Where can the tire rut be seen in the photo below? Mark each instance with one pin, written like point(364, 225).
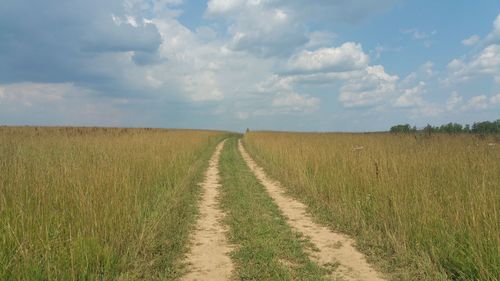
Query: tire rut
point(209, 258)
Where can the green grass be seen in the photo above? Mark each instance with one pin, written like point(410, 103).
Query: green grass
point(98, 204)
point(267, 249)
point(422, 208)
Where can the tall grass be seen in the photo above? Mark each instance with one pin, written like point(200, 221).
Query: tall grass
point(97, 204)
point(427, 207)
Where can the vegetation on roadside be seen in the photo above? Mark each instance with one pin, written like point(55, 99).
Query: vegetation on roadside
point(423, 208)
point(98, 204)
point(267, 249)
point(485, 127)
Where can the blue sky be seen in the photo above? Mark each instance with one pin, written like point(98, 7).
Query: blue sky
point(324, 65)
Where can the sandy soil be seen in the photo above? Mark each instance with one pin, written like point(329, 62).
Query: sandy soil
point(334, 250)
point(209, 256)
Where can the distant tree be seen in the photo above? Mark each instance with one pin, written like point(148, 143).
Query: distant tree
point(486, 127)
point(248, 130)
point(401, 128)
point(466, 128)
point(428, 130)
point(450, 128)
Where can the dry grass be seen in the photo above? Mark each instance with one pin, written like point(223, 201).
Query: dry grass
point(427, 207)
point(97, 204)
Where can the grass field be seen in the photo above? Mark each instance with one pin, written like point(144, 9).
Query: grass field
point(98, 204)
point(421, 207)
point(119, 204)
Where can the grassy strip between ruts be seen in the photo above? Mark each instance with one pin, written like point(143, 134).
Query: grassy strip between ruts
point(267, 248)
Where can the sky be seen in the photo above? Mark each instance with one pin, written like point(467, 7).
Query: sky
point(323, 65)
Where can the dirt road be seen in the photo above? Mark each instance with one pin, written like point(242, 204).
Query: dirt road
point(208, 258)
point(334, 250)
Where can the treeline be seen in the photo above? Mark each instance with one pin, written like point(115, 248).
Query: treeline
point(485, 127)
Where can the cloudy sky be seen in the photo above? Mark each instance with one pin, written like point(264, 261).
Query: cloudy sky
point(322, 65)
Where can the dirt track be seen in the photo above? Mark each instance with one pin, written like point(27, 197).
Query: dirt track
point(334, 250)
point(209, 256)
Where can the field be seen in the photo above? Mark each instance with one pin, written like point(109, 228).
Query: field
point(98, 204)
point(154, 204)
point(421, 207)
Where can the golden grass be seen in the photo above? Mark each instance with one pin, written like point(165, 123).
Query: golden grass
point(97, 204)
point(427, 207)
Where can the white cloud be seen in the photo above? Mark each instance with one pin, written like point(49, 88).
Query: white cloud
point(476, 103)
point(202, 87)
point(427, 69)
point(427, 109)
point(349, 56)
point(284, 98)
point(295, 102)
point(494, 35)
point(278, 35)
point(471, 41)
point(374, 87)
point(456, 103)
point(215, 7)
point(453, 101)
point(487, 62)
point(411, 97)
point(421, 35)
point(280, 27)
point(495, 99)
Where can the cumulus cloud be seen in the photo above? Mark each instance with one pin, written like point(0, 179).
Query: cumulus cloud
point(411, 97)
point(372, 87)
point(495, 99)
point(476, 103)
point(456, 102)
point(203, 87)
point(246, 58)
point(494, 35)
point(453, 101)
point(294, 102)
point(484, 62)
point(487, 62)
point(285, 28)
point(471, 41)
point(222, 7)
point(349, 56)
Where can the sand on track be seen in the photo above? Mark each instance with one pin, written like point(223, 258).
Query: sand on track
point(209, 258)
point(334, 250)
